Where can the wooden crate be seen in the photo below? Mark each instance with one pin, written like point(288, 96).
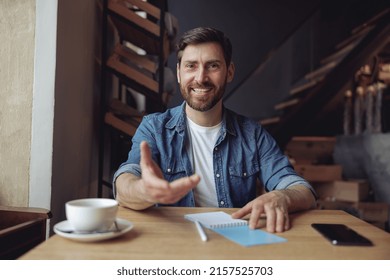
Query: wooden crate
point(350, 190)
point(324, 190)
point(21, 229)
point(319, 173)
point(311, 150)
point(373, 212)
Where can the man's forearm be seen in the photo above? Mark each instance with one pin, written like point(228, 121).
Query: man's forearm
point(299, 198)
point(128, 192)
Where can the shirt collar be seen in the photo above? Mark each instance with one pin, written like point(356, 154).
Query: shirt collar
point(228, 121)
point(179, 121)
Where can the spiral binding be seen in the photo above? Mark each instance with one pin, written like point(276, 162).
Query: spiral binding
point(233, 224)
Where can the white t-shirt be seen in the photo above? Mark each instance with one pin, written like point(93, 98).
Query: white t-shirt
point(202, 142)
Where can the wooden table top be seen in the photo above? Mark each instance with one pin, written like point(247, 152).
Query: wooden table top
point(163, 233)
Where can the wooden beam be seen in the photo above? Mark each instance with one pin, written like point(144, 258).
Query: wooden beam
point(119, 7)
point(286, 104)
point(122, 109)
point(145, 6)
point(119, 124)
point(269, 121)
point(305, 86)
point(115, 63)
point(139, 60)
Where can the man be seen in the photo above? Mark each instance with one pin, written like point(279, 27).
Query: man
point(202, 154)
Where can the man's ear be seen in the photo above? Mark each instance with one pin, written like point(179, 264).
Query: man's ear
point(231, 70)
point(177, 72)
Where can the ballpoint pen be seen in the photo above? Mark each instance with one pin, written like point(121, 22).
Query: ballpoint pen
point(201, 232)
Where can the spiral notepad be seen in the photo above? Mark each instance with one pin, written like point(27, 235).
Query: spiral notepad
point(236, 230)
point(217, 219)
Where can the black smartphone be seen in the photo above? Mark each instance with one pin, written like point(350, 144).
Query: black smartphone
point(339, 234)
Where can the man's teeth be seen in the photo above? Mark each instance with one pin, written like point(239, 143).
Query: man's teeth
point(200, 90)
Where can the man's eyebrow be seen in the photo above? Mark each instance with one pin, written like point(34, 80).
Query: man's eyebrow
point(189, 61)
point(207, 62)
point(214, 61)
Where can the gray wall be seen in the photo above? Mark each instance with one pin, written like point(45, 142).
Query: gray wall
point(366, 157)
point(17, 31)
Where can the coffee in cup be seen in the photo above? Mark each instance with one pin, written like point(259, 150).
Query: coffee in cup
point(91, 214)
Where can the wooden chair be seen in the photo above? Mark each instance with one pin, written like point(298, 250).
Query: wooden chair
point(21, 229)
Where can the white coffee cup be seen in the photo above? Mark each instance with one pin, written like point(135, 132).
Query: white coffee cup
point(91, 214)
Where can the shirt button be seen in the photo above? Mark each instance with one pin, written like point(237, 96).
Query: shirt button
point(217, 175)
point(216, 148)
point(169, 170)
point(222, 202)
point(244, 174)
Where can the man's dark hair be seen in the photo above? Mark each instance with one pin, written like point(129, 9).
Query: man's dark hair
point(205, 35)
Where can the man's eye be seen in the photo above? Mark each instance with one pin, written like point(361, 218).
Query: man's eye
point(214, 66)
point(189, 66)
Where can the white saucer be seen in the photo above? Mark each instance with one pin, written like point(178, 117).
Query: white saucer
point(61, 228)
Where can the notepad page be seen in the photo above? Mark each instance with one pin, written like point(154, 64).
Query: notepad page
point(245, 236)
point(216, 219)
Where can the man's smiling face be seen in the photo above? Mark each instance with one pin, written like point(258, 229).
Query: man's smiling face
point(203, 75)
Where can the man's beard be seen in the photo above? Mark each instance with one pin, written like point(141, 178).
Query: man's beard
point(206, 103)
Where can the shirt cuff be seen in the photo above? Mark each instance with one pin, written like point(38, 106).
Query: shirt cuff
point(132, 168)
point(293, 180)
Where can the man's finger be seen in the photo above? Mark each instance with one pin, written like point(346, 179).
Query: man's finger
point(287, 223)
point(243, 211)
point(281, 219)
point(183, 185)
point(146, 156)
point(256, 214)
point(178, 188)
point(271, 218)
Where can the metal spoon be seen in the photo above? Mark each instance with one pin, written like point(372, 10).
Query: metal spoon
point(116, 229)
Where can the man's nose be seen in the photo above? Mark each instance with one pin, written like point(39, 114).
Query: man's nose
point(201, 75)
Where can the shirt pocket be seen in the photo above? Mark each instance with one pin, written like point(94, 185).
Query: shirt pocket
point(243, 174)
point(172, 169)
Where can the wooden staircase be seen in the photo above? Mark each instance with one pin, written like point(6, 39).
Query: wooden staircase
point(137, 39)
point(316, 102)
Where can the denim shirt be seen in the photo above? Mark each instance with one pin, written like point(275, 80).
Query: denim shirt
point(244, 153)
